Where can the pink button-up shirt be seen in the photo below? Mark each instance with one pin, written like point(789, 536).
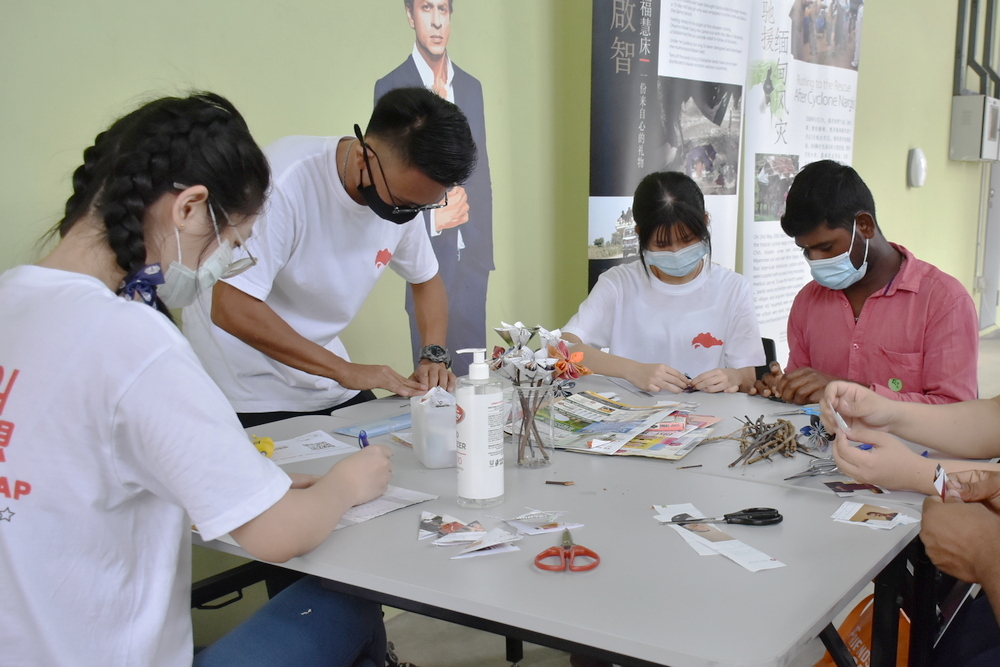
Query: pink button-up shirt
point(917, 339)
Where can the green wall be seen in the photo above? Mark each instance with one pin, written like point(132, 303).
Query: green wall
point(70, 68)
point(904, 102)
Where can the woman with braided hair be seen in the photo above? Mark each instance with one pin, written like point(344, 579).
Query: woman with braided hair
point(114, 440)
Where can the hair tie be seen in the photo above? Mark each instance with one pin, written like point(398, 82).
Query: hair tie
point(143, 282)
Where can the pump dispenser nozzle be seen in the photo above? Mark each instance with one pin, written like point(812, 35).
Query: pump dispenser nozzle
point(478, 369)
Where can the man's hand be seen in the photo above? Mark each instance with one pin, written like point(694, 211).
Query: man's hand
point(976, 486)
point(433, 374)
point(803, 385)
point(720, 379)
point(657, 377)
point(369, 376)
point(455, 213)
point(962, 539)
point(767, 386)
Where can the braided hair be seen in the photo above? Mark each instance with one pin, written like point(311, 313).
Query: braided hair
point(196, 140)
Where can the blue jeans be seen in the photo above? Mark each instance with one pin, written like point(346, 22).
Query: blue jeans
point(304, 625)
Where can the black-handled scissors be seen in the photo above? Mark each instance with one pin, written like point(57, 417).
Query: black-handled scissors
point(752, 516)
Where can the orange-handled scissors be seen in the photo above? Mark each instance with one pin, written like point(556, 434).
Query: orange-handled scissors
point(567, 554)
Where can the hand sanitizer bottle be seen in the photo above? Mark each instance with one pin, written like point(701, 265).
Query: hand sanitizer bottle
point(479, 442)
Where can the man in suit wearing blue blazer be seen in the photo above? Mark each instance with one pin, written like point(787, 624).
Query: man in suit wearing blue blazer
point(461, 233)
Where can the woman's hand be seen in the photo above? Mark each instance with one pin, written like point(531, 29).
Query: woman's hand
point(889, 462)
point(859, 406)
point(719, 379)
point(366, 473)
point(657, 377)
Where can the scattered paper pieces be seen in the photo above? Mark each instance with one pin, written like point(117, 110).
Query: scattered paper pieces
point(462, 535)
point(525, 528)
point(707, 540)
point(845, 488)
point(495, 541)
point(309, 446)
point(394, 498)
point(872, 516)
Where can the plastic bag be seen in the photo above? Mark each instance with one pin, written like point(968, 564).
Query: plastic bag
point(856, 631)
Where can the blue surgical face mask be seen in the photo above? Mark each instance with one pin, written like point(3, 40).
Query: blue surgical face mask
point(677, 264)
point(839, 272)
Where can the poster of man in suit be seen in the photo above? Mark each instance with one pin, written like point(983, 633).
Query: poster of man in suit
point(462, 232)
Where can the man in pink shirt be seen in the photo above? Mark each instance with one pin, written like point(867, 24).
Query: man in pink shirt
point(874, 314)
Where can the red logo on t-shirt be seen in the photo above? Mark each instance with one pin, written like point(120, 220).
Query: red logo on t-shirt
point(705, 340)
point(382, 258)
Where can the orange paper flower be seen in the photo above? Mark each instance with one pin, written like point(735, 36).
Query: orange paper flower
point(567, 364)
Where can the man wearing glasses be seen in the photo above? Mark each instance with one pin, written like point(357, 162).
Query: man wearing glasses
point(340, 212)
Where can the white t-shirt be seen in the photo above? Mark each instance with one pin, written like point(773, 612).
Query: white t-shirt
point(320, 254)
point(705, 324)
point(117, 442)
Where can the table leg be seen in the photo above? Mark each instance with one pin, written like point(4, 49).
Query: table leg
point(515, 651)
point(834, 643)
point(923, 614)
point(885, 616)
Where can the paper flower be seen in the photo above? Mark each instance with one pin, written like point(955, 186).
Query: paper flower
point(567, 364)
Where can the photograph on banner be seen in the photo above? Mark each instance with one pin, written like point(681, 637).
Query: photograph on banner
point(461, 232)
point(701, 124)
point(774, 175)
point(801, 91)
point(703, 52)
point(827, 32)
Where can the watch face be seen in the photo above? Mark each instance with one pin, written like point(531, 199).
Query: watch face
point(437, 354)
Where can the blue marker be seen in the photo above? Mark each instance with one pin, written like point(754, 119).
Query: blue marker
point(363, 439)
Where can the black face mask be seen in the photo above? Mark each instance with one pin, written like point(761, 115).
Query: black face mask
point(380, 208)
point(370, 193)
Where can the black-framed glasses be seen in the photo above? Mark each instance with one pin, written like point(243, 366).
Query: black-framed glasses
point(396, 210)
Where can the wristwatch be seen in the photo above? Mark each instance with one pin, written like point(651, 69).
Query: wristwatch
point(437, 354)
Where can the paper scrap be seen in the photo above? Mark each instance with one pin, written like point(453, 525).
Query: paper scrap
point(497, 540)
point(436, 525)
point(524, 528)
point(393, 499)
point(668, 512)
point(460, 534)
point(872, 516)
point(940, 481)
point(309, 446)
point(706, 538)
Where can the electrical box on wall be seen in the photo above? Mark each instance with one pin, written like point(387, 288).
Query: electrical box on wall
point(975, 128)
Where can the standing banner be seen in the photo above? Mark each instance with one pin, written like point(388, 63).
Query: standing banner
point(667, 82)
point(801, 93)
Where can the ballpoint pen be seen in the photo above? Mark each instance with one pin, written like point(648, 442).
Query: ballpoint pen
point(363, 439)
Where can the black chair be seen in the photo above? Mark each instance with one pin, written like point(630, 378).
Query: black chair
point(770, 354)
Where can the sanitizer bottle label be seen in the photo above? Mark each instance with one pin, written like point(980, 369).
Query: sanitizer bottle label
point(479, 444)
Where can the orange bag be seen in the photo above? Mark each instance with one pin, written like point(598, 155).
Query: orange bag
point(856, 631)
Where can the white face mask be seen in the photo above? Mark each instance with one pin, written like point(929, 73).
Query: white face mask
point(677, 264)
point(839, 272)
point(182, 284)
